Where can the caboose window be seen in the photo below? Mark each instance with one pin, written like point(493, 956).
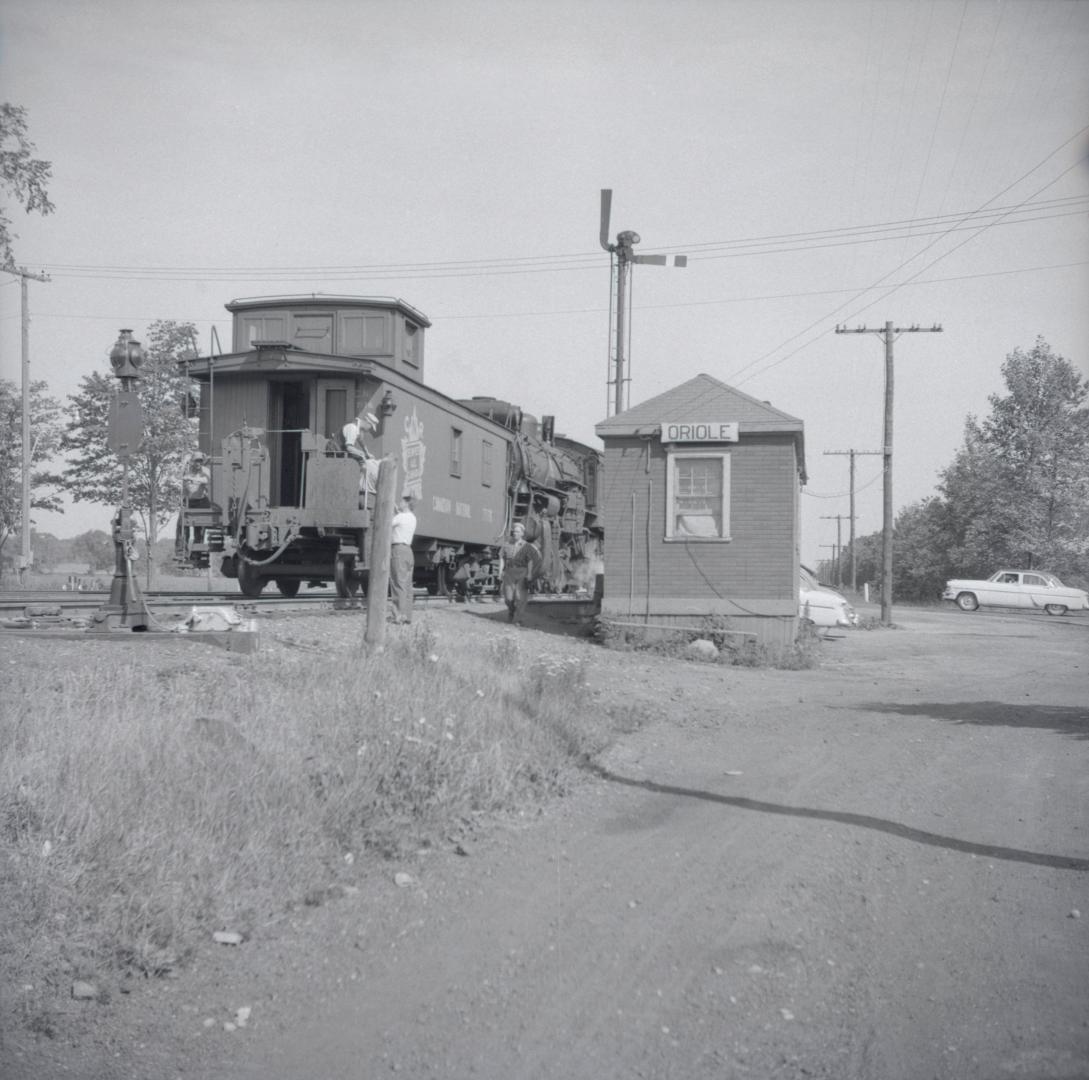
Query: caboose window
point(455, 451)
point(698, 495)
point(486, 463)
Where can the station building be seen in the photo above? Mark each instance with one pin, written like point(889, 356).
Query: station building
point(701, 512)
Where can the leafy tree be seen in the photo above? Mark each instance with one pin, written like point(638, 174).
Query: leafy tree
point(21, 175)
point(95, 473)
point(94, 547)
point(1017, 492)
point(45, 434)
point(921, 542)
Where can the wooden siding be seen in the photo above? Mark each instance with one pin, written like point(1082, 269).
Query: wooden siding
point(751, 576)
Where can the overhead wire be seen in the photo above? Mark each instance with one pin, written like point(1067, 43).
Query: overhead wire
point(772, 244)
point(902, 265)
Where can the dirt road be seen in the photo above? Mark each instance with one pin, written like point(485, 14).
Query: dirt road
point(877, 869)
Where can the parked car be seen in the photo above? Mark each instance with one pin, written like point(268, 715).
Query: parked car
point(823, 607)
point(1017, 588)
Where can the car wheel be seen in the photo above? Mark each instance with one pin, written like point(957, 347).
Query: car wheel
point(967, 601)
point(1055, 609)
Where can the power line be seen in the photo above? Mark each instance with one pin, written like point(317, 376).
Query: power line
point(772, 244)
point(492, 315)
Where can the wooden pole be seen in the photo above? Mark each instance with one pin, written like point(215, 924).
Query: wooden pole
point(378, 576)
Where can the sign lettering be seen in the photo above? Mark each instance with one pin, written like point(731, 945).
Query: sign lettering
point(699, 431)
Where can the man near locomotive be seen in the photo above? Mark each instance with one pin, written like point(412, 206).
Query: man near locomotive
point(401, 561)
point(520, 559)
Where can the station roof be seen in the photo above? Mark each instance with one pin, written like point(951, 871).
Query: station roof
point(705, 398)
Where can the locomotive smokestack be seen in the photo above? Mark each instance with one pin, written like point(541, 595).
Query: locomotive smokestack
point(548, 428)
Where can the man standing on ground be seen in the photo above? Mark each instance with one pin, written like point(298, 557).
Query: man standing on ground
point(401, 561)
point(520, 559)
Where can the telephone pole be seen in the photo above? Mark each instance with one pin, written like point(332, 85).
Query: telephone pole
point(854, 555)
point(22, 273)
point(838, 519)
point(889, 333)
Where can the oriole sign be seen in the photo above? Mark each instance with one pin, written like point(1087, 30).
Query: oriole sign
point(698, 431)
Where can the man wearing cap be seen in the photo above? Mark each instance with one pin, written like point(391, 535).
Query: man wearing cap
point(402, 561)
point(353, 431)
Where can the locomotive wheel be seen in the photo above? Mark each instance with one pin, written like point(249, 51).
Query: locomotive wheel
point(249, 579)
point(347, 583)
point(288, 586)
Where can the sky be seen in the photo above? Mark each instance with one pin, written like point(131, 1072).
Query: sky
point(847, 162)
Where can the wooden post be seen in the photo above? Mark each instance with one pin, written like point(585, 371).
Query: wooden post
point(378, 576)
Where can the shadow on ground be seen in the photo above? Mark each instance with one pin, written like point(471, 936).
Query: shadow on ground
point(1063, 719)
point(862, 821)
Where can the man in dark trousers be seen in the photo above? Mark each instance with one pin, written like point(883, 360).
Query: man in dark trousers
point(402, 561)
point(520, 562)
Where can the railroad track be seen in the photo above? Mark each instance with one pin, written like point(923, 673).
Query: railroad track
point(13, 604)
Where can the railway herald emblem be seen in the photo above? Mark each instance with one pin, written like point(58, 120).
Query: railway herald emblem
point(413, 453)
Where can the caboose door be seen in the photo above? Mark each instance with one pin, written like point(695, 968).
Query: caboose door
point(331, 404)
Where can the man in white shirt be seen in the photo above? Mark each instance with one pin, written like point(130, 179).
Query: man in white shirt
point(352, 432)
point(402, 561)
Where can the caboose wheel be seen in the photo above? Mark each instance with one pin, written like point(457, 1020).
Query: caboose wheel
point(347, 583)
point(249, 579)
point(288, 586)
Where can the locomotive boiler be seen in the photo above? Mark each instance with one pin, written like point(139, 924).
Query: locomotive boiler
point(286, 502)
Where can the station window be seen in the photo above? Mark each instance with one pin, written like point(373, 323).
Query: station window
point(456, 439)
point(698, 495)
point(486, 463)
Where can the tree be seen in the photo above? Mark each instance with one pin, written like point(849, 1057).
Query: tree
point(21, 176)
point(45, 435)
point(1017, 492)
point(921, 540)
point(95, 473)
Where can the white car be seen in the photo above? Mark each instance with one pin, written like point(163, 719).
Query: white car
point(823, 607)
point(1017, 588)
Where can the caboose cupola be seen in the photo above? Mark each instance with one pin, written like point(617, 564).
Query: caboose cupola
point(373, 328)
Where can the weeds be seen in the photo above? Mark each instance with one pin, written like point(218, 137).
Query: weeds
point(145, 804)
point(734, 649)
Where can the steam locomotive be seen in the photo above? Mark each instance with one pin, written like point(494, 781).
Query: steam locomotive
point(284, 502)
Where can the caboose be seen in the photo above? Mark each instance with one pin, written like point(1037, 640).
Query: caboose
point(286, 501)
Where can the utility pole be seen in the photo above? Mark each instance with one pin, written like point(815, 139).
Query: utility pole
point(854, 555)
point(838, 519)
point(26, 557)
point(889, 334)
point(835, 557)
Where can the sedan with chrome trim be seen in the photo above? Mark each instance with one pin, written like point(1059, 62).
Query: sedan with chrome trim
point(1032, 589)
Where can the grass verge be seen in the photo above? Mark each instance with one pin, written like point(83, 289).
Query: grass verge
point(150, 797)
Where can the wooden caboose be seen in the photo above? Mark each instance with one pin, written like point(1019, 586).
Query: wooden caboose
point(701, 512)
point(285, 503)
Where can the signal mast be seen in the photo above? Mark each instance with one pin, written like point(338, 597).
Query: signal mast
point(623, 258)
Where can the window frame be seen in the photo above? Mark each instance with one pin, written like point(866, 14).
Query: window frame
point(486, 457)
point(673, 457)
point(457, 447)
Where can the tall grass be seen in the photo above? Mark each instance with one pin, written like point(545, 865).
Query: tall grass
point(151, 796)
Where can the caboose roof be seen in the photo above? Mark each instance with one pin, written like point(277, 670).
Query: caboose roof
point(706, 398)
point(329, 300)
